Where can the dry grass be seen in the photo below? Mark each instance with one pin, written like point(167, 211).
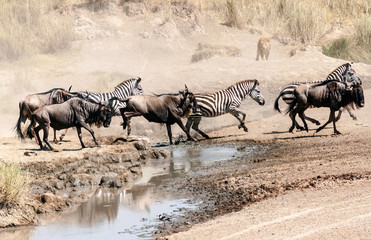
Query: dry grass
point(206, 51)
point(28, 27)
point(14, 185)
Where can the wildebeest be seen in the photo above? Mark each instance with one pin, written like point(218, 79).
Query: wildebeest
point(34, 101)
point(331, 94)
point(164, 108)
point(344, 73)
point(75, 112)
point(123, 90)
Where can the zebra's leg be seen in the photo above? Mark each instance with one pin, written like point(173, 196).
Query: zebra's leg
point(298, 127)
point(294, 123)
point(196, 121)
point(339, 114)
point(235, 113)
point(351, 114)
point(63, 134)
point(302, 116)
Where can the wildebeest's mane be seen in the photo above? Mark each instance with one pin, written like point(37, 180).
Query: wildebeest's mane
point(52, 90)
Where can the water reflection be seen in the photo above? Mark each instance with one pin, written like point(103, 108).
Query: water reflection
point(126, 213)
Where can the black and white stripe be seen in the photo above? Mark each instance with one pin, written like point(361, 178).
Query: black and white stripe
point(224, 101)
point(123, 90)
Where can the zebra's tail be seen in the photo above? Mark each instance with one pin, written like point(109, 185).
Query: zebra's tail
point(292, 106)
point(21, 119)
point(276, 107)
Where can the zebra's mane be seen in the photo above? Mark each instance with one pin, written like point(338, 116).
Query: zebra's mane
point(241, 82)
point(341, 66)
point(299, 82)
point(124, 83)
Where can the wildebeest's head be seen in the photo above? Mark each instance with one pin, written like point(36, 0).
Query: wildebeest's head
point(188, 102)
point(359, 98)
point(105, 113)
point(256, 94)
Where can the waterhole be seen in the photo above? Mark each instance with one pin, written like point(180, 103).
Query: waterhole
point(133, 213)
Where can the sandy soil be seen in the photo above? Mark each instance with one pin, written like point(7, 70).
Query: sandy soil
point(313, 185)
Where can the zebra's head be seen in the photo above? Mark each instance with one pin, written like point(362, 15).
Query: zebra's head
point(137, 89)
point(349, 76)
point(256, 94)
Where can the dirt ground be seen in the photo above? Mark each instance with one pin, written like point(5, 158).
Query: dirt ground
point(293, 185)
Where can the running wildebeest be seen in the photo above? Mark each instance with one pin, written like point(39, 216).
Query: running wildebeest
point(331, 94)
point(164, 108)
point(75, 112)
point(34, 101)
point(344, 73)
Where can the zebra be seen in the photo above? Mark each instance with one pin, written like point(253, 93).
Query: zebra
point(224, 101)
point(344, 73)
point(123, 90)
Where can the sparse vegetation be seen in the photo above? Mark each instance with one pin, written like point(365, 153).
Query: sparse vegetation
point(206, 51)
point(38, 26)
point(29, 27)
point(13, 184)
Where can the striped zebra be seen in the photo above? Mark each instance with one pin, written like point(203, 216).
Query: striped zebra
point(123, 90)
point(224, 101)
point(344, 73)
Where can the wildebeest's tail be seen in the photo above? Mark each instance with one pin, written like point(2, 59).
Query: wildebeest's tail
point(29, 132)
point(276, 107)
point(21, 119)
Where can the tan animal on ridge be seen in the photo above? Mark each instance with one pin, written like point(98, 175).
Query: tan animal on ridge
point(263, 49)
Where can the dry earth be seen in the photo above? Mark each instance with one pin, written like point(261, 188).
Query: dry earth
point(313, 185)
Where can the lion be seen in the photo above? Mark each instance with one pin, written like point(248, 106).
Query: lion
point(264, 47)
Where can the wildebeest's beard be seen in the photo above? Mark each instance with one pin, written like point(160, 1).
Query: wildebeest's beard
point(360, 99)
point(107, 112)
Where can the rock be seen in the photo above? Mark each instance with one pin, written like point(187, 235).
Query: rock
point(111, 182)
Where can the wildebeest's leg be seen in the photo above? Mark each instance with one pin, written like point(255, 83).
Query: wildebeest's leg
point(181, 125)
point(45, 137)
point(168, 127)
point(312, 120)
point(35, 132)
point(87, 127)
point(196, 121)
point(331, 119)
point(235, 113)
point(79, 134)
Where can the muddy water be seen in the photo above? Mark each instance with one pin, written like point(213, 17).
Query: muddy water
point(133, 213)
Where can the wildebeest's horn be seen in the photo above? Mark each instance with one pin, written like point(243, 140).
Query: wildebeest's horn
point(186, 88)
point(69, 89)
